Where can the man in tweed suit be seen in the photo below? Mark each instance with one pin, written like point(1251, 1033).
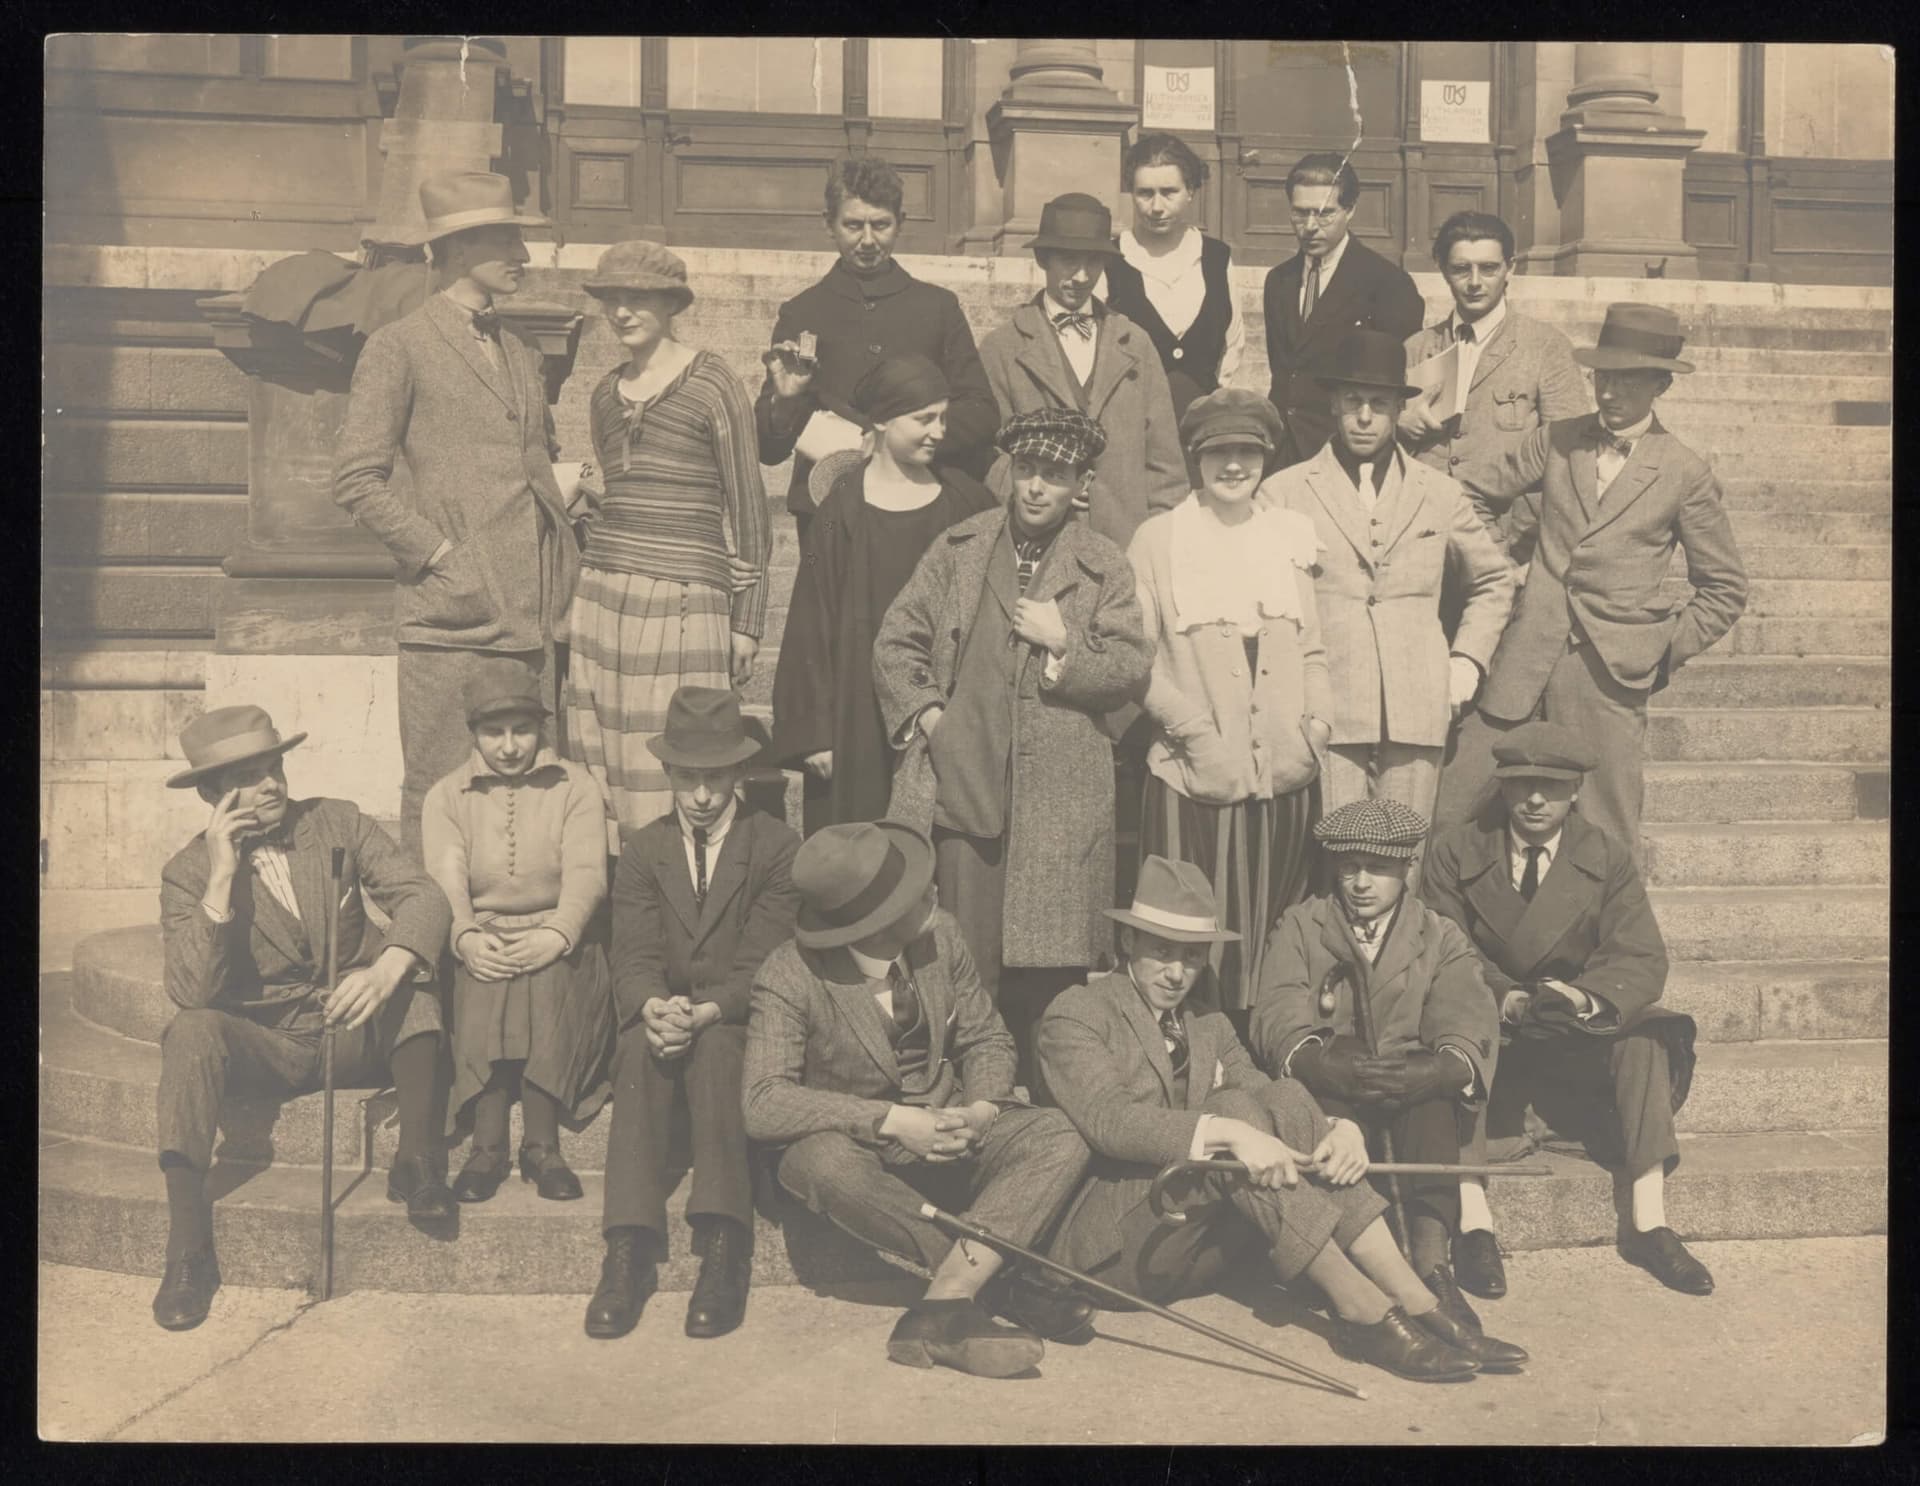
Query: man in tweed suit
point(484, 542)
point(877, 1061)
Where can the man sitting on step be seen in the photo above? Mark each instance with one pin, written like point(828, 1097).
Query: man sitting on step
point(1556, 909)
point(243, 909)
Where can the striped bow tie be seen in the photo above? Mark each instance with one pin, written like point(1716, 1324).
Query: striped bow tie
point(1080, 322)
point(486, 322)
point(1620, 446)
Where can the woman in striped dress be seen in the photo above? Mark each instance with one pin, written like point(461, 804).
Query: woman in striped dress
point(673, 579)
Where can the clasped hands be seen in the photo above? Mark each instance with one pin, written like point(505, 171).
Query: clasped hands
point(1345, 1070)
point(1340, 1158)
point(672, 1022)
point(490, 955)
point(939, 1134)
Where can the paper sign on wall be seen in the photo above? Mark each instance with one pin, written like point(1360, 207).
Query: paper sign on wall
point(1455, 113)
point(1177, 98)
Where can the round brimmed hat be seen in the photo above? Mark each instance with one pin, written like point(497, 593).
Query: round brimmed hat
point(1174, 901)
point(455, 200)
point(706, 730)
point(1231, 415)
point(640, 268)
point(1368, 358)
point(1064, 435)
point(1076, 223)
point(1542, 750)
point(502, 687)
point(227, 735)
point(1637, 337)
point(1379, 827)
point(855, 880)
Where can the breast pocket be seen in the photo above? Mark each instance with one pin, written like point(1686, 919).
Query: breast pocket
point(1513, 410)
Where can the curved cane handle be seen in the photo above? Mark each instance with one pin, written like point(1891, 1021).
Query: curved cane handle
point(1157, 1193)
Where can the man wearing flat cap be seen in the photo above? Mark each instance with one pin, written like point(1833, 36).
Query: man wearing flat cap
point(243, 912)
point(1017, 633)
point(1575, 962)
point(1377, 1005)
point(1595, 633)
point(1069, 349)
point(482, 537)
point(875, 1060)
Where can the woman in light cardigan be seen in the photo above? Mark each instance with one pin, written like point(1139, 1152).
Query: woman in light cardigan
point(1239, 693)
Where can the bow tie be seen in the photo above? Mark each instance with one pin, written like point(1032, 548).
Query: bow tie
point(1605, 440)
point(486, 322)
point(1080, 322)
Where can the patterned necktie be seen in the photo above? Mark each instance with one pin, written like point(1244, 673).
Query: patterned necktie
point(1530, 878)
point(1176, 1036)
point(906, 998)
point(699, 865)
point(1026, 557)
point(1312, 296)
point(486, 322)
point(1080, 322)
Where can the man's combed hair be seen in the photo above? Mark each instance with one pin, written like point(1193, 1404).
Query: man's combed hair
point(1468, 227)
point(1324, 168)
point(1163, 149)
point(867, 179)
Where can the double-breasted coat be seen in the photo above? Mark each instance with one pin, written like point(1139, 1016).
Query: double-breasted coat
point(1058, 790)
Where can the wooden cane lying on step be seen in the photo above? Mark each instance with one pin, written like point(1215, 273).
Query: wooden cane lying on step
point(961, 1228)
point(336, 868)
point(1157, 1193)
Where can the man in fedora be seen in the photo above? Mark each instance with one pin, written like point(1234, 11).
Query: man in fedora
point(1595, 634)
point(243, 912)
point(1068, 349)
point(702, 896)
point(1149, 1080)
point(1574, 959)
point(482, 540)
point(875, 1060)
point(1389, 527)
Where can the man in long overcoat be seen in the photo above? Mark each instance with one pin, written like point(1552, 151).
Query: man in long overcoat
point(1018, 630)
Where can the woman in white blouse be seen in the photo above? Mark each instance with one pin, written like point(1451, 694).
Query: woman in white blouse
point(1172, 279)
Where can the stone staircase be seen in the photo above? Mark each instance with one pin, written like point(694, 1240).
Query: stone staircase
point(1767, 845)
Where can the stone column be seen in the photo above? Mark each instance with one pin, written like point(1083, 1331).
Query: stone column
point(442, 120)
point(1617, 163)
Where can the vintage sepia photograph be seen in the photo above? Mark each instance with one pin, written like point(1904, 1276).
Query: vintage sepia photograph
point(964, 740)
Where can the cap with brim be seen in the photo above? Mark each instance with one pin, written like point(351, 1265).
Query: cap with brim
point(1231, 415)
point(1542, 750)
point(228, 735)
point(1637, 337)
point(502, 686)
point(517, 706)
point(1378, 827)
point(898, 880)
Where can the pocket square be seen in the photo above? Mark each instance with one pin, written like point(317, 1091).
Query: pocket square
point(1219, 1073)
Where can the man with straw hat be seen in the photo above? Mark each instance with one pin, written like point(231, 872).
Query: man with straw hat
point(243, 911)
point(1595, 634)
point(483, 539)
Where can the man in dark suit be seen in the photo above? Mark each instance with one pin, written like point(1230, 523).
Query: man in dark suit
point(1149, 1081)
point(1334, 285)
point(702, 896)
point(243, 911)
point(1572, 954)
point(876, 1061)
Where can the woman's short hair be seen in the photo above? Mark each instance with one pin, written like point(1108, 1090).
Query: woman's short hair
point(870, 180)
point(1163, 149)
point(1324, 168)
point(1471, 227)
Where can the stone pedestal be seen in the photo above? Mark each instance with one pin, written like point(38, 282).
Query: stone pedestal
point(443, 119)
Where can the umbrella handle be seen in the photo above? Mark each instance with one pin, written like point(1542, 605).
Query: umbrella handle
point(1157, 1193)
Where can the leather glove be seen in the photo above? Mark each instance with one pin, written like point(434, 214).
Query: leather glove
point(1548, 1014)
point(1328, 1068)
point(1410, 1079)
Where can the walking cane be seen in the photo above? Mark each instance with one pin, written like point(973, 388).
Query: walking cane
point(336, 868)
point(1157, 1193)
point(961, 1228)
point(1363, 1024)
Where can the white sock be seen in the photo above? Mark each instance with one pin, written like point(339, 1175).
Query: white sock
point(1650, 1200)
point(1474, 1212)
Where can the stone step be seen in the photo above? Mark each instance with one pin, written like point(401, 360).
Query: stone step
point(1850, 598)
point(1784, 388)
point(1758, 529)
point(1777, 681)
point(1726, 792)
point(1833, 922)
point(1857, 735)
point(1775, 854)
point(1815, 636)
point(1744, 1088)
point(1748, 1001)
point(1815, 494)
point(1812, 561)
point(1799, 455)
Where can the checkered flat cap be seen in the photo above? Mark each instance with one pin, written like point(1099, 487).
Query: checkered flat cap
point(1383, 827)
point(1063, 434)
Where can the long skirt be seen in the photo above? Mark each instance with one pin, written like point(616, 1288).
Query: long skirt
point(636, 640)
point(1254, 852)
point(559, 1021)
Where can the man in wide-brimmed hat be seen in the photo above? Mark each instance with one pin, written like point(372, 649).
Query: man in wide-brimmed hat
point(483, 541)
point(243, 911)
point(876, 1060)
point(1390, 527)
point(1150, 1080)
point(702, 896)
point(1068, 349)
point(1595, 634)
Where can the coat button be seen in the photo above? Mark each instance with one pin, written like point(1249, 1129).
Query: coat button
point(1179, 352)
point(512, 417)
point(873, 304)
point(1371, 601)
point(874, 349)
point(1452, 461)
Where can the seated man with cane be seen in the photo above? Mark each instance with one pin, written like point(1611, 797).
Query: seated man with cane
point(876, 1059)
point(1376, 1004)
point(1149, 1081)
point(244, 910)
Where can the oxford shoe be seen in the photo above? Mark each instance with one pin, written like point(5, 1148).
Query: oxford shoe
point(1047, 1306)
point(1489, 1351)
point(1661, 1254)
point(961, 1335)
point(1440, 1280)
point(480, 1178)
point(1406, 1350)
point(1477, 1266)
point(719, 1300)
point(186, 1290)
point(414, 1181)
point(547, 1169)
point(627, 1278)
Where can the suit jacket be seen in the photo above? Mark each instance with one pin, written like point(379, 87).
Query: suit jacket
point(1366, 292)
point(479, 447)
point(1379, 595)
point(263, 961)
point(1142, 469)
point(1059, 810)
point(818, 1054)
point(1601, 565)
point(860, 322)
point(1526, 376)
point(1106, 1065)
point(665, 944)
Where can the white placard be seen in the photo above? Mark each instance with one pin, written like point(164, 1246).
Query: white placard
point(1178, 98)
point(1455, 113)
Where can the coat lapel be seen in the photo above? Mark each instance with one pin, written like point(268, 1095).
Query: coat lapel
point(851, 992)
point(1583, 466)
point(444, 316)
point(1562, 896)
point(1062, 569)
point(1489, 888)
point(670, 869)
point(1331, 306)
point(1629, 485)
point(1113, 358)
point(1495, 350)
point(1134, 1012)
point(1408, 499)
point(1001, 578)
point(307, 865)
point(1330, 487)
point(1290, 278)
point(726, 875)
point(1043, 360)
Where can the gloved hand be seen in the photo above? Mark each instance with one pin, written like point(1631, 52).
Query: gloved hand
point(1329, 1068)
point(1407, 1079)
point(1548, 1014)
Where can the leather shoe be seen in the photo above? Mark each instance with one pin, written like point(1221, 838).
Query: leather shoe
point(1047, 1306)
point(719, 1300)
point(1395, 1343)
point(1457, 1326)
point(627, 1278)
point(1477, 1266)
point(1660, 1252)
point(961, 1335)
point(480, 1178)
point(414, 1181)
point(1440, 1281)
point(186, 1290)
point(546, 1168)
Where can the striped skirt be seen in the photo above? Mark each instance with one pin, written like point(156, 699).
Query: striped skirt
point(635, 641)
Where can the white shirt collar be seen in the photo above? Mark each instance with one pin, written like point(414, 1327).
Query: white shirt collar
point(715, 832)
point(1518, 848)
point(1632, 433)
point(1484, 327)
point(1049, 306)
point(1329, 263)
point(870, 967)
point(1171, 265)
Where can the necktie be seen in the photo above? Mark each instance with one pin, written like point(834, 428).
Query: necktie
point(1026, 557)
point(1176, 1036)
point(1530, 878)
point(486, 322)
point(699, 865)
point(906, 998)
point(1465, 334)
point(1312, 296)
point(1080, 322)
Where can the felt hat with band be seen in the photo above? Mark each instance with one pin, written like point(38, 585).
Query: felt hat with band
point(1173, 901)
point(1637, 337)
point(1542, 750)
point(501, 686)
point(1076, 223)
point(855, 880)
point(227, 735)
point(1368, 358)
point(455, 200)
point(705, 730)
